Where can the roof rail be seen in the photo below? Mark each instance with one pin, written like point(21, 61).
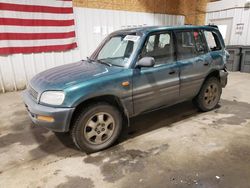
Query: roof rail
point(212, 25)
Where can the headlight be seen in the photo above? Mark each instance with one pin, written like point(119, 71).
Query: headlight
point(52, 97)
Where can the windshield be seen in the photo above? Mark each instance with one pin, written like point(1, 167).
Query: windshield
point(118, 50)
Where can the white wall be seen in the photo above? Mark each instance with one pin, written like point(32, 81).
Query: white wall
point(225, 4)
point(92, 25)
point(232, 12)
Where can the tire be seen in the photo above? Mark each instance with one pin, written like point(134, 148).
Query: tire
point(209, 95)
point(97, 127)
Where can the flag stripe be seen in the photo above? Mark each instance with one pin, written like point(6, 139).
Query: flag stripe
point(42, 42)
point(37, 49)
point(30, 26)
point(35, 8)
point(50, 3)
point(35, 29)
point(35, 36)
point(35, 15)
point(32, 22)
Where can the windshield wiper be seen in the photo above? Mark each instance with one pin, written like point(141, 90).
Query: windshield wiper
point(103, 62)
point(89, 60)
point(98, 61)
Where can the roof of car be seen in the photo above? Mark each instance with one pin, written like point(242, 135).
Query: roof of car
point(146, 29)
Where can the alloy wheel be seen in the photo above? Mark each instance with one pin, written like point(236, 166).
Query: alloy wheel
point(99, 128)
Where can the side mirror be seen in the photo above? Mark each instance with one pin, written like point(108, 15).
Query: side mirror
point(146, 62)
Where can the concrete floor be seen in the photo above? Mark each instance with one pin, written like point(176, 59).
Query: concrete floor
point(173, 147)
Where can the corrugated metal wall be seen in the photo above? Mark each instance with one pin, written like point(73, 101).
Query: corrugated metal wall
point(193, 10)
point(239, 17)
point(92, 25)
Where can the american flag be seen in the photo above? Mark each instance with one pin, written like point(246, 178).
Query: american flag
point(32, 26)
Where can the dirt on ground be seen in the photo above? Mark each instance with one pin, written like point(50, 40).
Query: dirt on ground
point(173, 147)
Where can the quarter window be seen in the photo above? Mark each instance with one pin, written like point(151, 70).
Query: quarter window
point(212, 41)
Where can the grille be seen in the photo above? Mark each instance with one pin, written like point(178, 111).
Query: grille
point(33, 92)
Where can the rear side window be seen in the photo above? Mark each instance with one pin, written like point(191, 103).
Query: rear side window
point(190, 44)
point(212, 41)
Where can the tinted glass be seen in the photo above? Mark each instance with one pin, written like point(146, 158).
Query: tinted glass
point(200, 43)
point(118, 49)
point(159, 46)
point(190, 44)
point(150, 44)
point(212, 41)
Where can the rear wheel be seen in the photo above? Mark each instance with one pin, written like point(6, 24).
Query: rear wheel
point(96, 127)
point(209, 95)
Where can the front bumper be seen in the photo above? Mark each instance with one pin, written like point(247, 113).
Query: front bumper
point(62, 116)
point(223, 77)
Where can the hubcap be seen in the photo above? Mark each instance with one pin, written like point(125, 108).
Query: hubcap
point(99, 128)
point(211, 95)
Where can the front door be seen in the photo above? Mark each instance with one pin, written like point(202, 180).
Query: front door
point(156, 86)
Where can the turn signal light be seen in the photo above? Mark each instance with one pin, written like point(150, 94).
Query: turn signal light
point(125, 83)
point(45, 118)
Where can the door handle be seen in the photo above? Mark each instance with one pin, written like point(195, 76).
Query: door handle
point(206, 64)
point(171, 72)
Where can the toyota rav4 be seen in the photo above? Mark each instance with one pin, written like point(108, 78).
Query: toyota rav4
point(133, 71)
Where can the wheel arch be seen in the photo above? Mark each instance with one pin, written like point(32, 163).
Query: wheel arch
point(110, 99)
point(198, 98)
point(212, 73)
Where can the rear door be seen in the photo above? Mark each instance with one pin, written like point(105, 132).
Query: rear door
point(156, 86)
point(193, 60)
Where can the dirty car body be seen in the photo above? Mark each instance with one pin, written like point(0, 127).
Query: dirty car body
point(133, 71)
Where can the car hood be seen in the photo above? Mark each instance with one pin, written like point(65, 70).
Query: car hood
point(64, 76)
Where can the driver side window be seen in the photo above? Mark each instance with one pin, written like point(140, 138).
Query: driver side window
point(160, 47)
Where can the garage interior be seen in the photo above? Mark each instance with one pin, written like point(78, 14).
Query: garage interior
point(172, 147)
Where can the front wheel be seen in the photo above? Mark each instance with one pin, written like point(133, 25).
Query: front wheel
point(96, 127)
point(209, 95)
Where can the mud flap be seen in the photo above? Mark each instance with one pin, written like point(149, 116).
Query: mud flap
point(223, 78)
